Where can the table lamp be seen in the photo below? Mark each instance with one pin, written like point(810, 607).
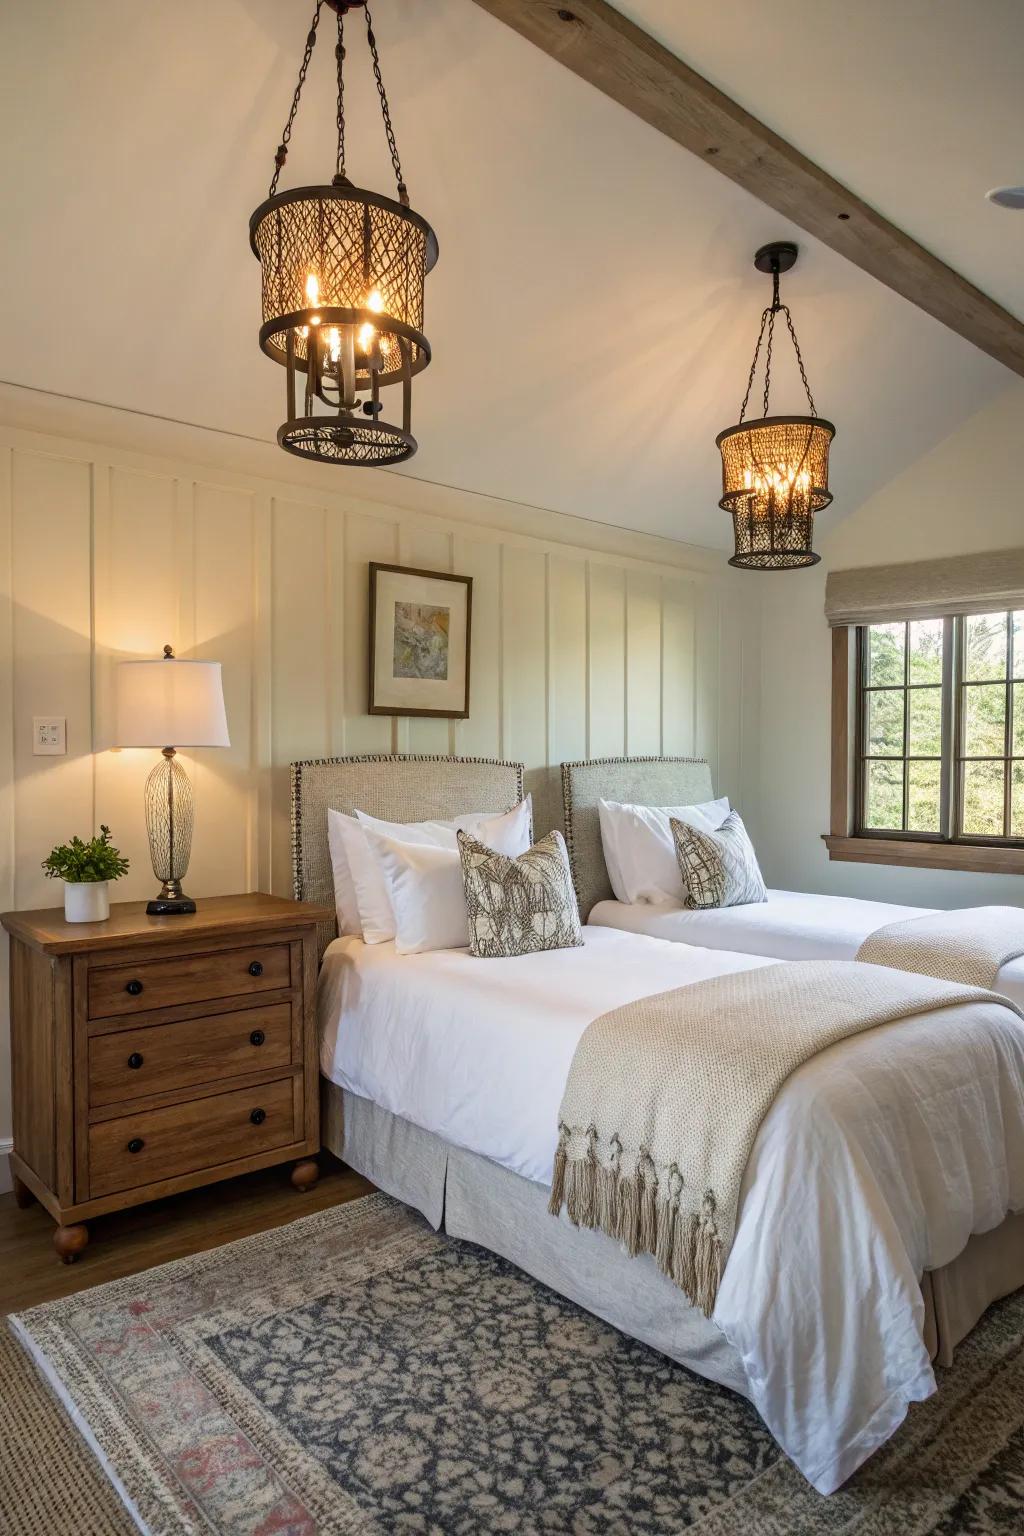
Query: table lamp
point(170, 701)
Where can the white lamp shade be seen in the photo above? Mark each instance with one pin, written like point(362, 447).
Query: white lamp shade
point(170, 703)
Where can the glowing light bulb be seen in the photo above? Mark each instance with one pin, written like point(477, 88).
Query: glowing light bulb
point(367, 332)
point(313, 295)
point(334, 343)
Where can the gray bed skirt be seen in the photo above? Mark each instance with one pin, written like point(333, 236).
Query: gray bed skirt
point(476, 1199)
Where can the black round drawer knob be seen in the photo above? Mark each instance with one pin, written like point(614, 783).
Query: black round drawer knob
point(258, 1116)
point(256, 968)
point(135, 1060)
point(136, 1144)
point(257, 1037)
point(134, 988)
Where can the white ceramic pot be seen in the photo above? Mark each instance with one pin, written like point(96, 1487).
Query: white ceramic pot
point(86, 901)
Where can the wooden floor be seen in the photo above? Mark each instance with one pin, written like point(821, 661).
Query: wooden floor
point(129, 1241)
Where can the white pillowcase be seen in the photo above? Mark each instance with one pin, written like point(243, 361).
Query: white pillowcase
point(361, 894)
point(345, 903)
point(639, 849)
point(424, 885)
point(374, 918)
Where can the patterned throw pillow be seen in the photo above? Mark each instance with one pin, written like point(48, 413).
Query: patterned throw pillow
point(719, 869)
point(519, 906)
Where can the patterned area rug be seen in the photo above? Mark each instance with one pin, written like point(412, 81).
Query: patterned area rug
point(354, 1372)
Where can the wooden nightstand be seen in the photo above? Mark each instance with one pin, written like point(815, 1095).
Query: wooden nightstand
point(154, 1054)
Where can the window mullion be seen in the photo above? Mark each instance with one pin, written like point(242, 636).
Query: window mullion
point(906, 725)
point(1008, 725)
point(951, 723)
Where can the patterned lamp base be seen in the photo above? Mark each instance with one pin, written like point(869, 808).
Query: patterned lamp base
point(169, 819)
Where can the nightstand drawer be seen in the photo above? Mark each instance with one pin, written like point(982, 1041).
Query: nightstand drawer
point(128, 989)
point(157, 1057)
point(183, 1138)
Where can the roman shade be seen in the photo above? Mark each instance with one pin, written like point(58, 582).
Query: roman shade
point(926, 589)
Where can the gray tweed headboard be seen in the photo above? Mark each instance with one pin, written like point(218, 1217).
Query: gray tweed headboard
point(394, 788)
point(633, 780)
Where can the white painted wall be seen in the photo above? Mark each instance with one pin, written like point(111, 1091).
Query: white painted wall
point(962, 497)
point(119, 533)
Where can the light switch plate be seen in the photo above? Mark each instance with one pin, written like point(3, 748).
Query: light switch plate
point(49, 735)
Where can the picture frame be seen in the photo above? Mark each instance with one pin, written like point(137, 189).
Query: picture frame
point(419, 642)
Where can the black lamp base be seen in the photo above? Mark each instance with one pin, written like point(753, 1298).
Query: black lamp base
point(170, 906)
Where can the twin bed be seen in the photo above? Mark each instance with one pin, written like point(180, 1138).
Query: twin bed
point(873, 1225)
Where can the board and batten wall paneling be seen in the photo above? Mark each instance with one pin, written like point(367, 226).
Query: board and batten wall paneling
point(51, 637)
point(643, 663)
point(606, 682)
point(586, 642)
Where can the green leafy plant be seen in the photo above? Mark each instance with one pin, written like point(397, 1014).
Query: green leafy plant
point(97, 859)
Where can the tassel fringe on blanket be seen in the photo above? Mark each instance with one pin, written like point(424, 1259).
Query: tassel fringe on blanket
point(643, 1213)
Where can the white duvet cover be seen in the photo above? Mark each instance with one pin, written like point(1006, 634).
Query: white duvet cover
point(878, 1160)
point(790, 925)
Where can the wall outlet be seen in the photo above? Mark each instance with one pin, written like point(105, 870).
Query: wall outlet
point(49, 736)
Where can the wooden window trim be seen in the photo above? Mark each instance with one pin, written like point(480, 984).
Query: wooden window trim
point(913, 852)
point(982, 858)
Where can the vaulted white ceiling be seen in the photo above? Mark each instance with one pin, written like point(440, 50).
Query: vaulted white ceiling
point(594, 308)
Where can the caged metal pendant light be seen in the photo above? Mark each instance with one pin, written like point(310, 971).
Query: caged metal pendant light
point(775, 470)
point(343, 280)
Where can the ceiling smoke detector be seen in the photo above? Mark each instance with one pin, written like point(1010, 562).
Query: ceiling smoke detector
point(1007, 197)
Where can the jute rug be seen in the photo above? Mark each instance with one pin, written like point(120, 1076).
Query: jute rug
point(354, 1372)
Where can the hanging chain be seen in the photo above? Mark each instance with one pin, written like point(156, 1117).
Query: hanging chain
point(768, 358)
point(768, 322)
point(282, 148)
point(403, 193)
point(339, 53)
point(799, 359)
point(753, 366)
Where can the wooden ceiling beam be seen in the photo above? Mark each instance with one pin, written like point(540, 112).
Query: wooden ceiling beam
point(596, 42)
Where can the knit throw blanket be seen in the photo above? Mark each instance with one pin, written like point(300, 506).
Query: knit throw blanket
point(665, 1097)
point(970, 946)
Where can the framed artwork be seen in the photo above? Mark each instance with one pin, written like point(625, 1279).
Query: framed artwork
point(419, 642)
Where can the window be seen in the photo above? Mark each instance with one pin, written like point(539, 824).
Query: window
point(930, 712)
point(903, 713)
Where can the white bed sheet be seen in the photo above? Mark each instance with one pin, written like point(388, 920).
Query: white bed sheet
point(790, 925)
point(878, 1160)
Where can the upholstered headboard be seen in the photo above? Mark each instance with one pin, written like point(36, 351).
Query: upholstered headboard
point(394, 788)
point(632, 780)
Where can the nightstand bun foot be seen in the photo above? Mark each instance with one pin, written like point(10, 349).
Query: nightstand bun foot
point(23, 1196)
point(70, 1241)
point(305, 1175)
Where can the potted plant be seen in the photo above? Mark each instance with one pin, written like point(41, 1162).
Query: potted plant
point(86, 869)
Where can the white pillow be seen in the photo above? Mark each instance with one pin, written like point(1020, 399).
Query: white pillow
point(514, 826)
point(360, 892)
point(639, 850)
point(374, 918)
point(425, 884)
point(345, 903)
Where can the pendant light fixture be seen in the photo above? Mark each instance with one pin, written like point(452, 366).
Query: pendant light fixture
point(775, 469)
point(343, 280)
